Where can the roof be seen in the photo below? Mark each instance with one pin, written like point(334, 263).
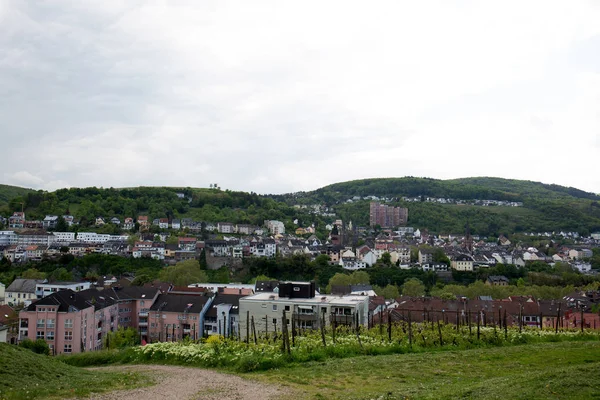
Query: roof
point(134, 292)
point(68, 299)
point(24, 285)
point(172, 302)
point(231, 299)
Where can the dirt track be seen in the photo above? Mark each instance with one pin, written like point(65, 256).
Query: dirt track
point(191, 383)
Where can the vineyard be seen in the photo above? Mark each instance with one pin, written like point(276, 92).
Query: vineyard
point(277, 350)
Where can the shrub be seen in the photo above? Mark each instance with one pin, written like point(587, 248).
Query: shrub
point(39, 346)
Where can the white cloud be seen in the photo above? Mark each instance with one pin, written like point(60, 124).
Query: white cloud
point(275, 96)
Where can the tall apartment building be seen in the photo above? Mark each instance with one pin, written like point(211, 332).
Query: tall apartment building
point(387, 216)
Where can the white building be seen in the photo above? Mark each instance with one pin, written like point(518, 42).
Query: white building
point(67, 237)
point(276, 227)
point(302, 308)
point(45, 288)
point(7, 238)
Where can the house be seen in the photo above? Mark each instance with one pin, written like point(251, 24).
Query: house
point(34, 252)
point(45, 288)
point(21, 291)
point(245, 229)
point(497, 280)
point(435, 267)
point(370, 258)
point(70, 322)
point(134, 306)
point(462, 262)
point(174, 316)
point(69, 219)
point(64, 237)
point(352, 264)
point(163, 223)
point(223, 315)
point(8, 238)
point(35, 237)
point(115, 221)
point(143, 222)
point(225, 227)
point(176, 224)
point(100, 221)
point(275, 227)
point(187, 243)
point(302, 307)
point(128, 223)
point(50, 221)
point(218, 248)
point(17, 220)
point(9, 325)
point(580, 254)
point(425, 256)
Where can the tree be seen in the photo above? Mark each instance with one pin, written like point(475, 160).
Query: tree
point(386, 258)
point(60, 274)
point(121, 338)
point(33, 273)
point(390, 292)
point(413, 287)
point(61, 225)
point(261, 277)
point(339, 279)
point(183, 273)
point(359, 277)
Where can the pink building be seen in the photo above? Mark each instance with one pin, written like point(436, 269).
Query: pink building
point(134, 306)
point(174, 316)
point(70, 322)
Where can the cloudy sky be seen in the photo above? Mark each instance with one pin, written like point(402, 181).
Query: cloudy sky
point(279, 96)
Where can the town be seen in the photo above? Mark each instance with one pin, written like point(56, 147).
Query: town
point(74, 316)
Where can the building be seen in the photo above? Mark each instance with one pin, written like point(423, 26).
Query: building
point(8, 238)
point(70, 322)
point(275, 227)
point(387, 216)
point(225, 227)
point(22, 291)
point(302, 307)
point(65, 237)
point(425, 256)
point(174, 316)
point(222, 318)
point(17, 220)
point(462, 262)
point(45, 288)
point(497, 280)
point(50, 221)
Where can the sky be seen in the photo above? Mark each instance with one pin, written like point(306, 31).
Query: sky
point(283, 96)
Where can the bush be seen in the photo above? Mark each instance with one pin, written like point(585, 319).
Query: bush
point(39, 346)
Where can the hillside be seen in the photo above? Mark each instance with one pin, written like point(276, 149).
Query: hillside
point(26, 375)
point(544, 207)
point(8, 192)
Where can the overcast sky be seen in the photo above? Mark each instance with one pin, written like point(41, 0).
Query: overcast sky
point(281, 96)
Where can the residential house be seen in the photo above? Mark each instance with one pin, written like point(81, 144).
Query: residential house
point(45, 288)
point(134, 307)
point(50, 221)
point(8, 237)
point(497, 280)
point(225, 227)
point(174, 316)
point(34, 252)
point(100, 221)
point(163, 223)
point(218, 248)
point(128, 224)
point(425, 256)
point(222, 317)
point(462, 262)
point(275, 227)
point(176, 224)
point(187, 243)
point(21, 291)
point(115, 221)
point(17, 220)
point(143, 222)
point(245, 229)
point(64, 237)
point(38, 237)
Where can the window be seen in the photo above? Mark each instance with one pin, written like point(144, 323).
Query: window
point(274, 321)
point(68, 348)
point(296, 288)
point(50, 335)
point(40, 335)
point(41, 323)
point(287, 308)
point(274, 307)
point(68, 323)
point(264, 305)
point(50, 323)
point(68, 335)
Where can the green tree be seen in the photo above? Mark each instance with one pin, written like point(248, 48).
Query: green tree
point(338, 279)
point(39, 346)
point(413, 287)
point(359, 277)
point(121, 338)
point(183, 273)
point(386, 259)
point(60, 274)
point(33, 273)
point(390, 292)
point(61, 225)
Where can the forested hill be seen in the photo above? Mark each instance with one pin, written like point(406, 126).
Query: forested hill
point(544, 207)
point(482, 188)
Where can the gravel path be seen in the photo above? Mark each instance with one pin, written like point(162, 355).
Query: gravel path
point(191, 383)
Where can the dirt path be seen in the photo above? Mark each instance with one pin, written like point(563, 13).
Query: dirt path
point(192, 383)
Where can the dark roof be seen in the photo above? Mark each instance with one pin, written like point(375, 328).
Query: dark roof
point(67, 299)
point(134, 292)
point(232, 299)
point(265, 286)
point(172, 302)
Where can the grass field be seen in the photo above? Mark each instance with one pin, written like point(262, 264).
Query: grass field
point(26, 375)
point(566, 370)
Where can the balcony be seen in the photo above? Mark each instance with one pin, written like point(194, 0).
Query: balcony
point(143, 323)
point(342, 319)
point(143, 314)
point(306, 317)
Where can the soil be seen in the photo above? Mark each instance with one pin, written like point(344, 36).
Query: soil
point(192, 383)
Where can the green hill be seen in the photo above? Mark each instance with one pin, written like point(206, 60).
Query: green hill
point(545, 207)
point(26, 375)
point(8, 193)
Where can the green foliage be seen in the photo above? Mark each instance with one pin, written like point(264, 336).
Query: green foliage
point(413, 287)
point(39, 346)
point(121, 338)
point(390, 292)
point(183, 273)
point(33, 273)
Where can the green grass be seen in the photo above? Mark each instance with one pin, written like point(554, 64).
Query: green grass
point(8, 192)
point(566, 370)
point(26, 375)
